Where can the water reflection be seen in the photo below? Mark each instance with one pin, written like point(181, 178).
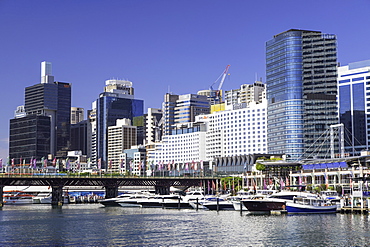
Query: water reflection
point(94, 225)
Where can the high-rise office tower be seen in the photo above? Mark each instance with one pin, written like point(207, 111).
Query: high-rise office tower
point(301, 82)
point(116, 102)
point(354, 105)
point(52, 100)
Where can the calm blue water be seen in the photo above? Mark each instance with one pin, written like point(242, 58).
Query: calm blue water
point(93, 225)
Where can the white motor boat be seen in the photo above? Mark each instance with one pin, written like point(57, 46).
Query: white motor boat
point(132, 201)
point(304, 205)
point(17, 198)
point(42, 198)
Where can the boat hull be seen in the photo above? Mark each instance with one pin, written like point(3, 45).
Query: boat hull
point(263, 205)
point(221, 206)
point(293, 208)
point(181, 205)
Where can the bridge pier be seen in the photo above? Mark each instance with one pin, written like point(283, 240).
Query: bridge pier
point(162, 190)
point(1, 196)
point(111, 191)
point(57, 195)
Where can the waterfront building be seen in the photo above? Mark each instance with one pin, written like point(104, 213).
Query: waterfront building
point(134, 161)
point(354, 105)
point(233, 133)
point(116, 102)
point(120, 137)
point(77, 162)
point(185, 145)
point(237, 132)
point(77, 115)
point(301, 82)
point(50, 99)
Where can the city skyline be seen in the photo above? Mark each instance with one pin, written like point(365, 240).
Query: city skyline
point(161, 46)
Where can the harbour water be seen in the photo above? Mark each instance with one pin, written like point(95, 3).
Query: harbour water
point(94, 225)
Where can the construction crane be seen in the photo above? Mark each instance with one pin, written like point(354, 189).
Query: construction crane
point(222, 76)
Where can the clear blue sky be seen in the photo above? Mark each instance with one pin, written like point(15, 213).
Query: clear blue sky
point(178, 46)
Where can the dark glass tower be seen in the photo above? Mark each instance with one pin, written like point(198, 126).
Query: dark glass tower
point(29, 137)
point(51, 100)
point(301, 90)
point(113, 105)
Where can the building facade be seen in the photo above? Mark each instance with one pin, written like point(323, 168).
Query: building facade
point(116, 102)
point(246, 94)
point(120, 137)
point(29, 137)
point(354, 105)
point(237, 132)
point(301, 83)
point(184, 146)
point(77, 115)
point(153, 131)
point(53, 100)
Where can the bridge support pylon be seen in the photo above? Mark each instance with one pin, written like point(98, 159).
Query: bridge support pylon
point(162, 190)
point(1, 196)
point(111, 191)
point(57, 195)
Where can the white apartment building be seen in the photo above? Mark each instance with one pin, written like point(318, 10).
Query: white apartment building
point(120, 137)
point(246, 94)
point(187, 147)
point(237, 132)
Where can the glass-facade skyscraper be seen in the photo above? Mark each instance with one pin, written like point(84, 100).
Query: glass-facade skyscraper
point(354, 105)
point(301, 92)
point(117, 102)
point(49, 99)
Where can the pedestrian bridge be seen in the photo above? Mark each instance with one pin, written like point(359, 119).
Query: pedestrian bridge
point(110, 183)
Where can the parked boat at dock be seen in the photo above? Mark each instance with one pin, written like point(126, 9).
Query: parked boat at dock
point(132, 201)
point(219, 204)
point(263, 205)
point(17, 198)
point(112, 202)
point(304, 205)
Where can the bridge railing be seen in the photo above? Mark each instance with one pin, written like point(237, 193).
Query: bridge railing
point(101, 175)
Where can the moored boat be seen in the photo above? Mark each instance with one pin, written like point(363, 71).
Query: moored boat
point(132, 201)
point(17, 198)
point(219, 204)
point(158, 201)
point(304, 205)
point(263, 205)
point(42, 198)
point(112, 202)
